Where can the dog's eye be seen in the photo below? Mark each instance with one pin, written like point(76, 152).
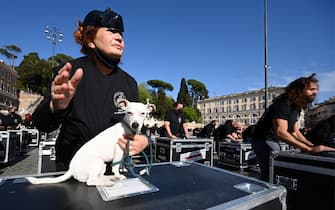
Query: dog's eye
point(129, 113)
point(143, 113)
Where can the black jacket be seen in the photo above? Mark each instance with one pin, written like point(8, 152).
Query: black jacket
point(92, 109)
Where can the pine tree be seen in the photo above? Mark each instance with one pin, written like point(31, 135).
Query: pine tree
point(183, 95)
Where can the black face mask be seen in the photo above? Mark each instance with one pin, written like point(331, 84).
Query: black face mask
point(109, 62)
point(178, 111)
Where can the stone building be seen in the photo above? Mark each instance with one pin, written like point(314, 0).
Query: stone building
point(320, 112)
point(246, 107)
point(8, 86)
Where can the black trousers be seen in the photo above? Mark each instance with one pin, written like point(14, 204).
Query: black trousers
point(263, 149)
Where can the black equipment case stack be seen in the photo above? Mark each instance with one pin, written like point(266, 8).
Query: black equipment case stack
point(236, 154)
point(180, 186)
point(7, 147)
point(47, 157)
point(21, 138)
point(34, 135)
point(239, 154)
point(47, 152)
point(193, 149)
point(309, 179)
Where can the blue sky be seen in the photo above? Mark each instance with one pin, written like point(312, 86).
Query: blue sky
point(217, 42)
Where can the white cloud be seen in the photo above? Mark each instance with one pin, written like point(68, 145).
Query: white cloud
point(327, 81)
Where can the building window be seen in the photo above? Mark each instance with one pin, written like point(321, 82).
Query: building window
point(263, 105)
point(9, 76)
point(222, 109)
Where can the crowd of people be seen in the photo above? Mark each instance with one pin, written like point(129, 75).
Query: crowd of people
point(11, 120)
point(82, 101)
point(95, 81)
point(279, 123)
point(17, 130)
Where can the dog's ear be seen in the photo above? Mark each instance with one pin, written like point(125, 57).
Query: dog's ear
point(151, 107)
point(123, 104)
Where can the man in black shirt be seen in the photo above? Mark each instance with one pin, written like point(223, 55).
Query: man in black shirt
point(233, 131)
point(83, 97)
point(229, 131)
point(207, 130)
point(3, 120)
point(280, 123)
point(174, 123)
point(14, 120)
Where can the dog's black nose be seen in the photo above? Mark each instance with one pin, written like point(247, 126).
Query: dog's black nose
point(134, 125)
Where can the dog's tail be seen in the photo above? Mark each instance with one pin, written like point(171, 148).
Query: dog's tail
point(50, 180)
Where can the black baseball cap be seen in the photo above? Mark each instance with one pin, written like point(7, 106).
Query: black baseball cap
point(107, 18)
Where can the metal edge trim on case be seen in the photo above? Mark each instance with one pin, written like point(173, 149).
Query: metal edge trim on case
point(302, 167)
point(294, 154)
point(256, 199)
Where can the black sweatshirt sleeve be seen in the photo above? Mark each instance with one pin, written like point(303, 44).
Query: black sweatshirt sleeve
point(43, 118)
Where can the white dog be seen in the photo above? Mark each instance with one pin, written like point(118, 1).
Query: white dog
point(88, 164)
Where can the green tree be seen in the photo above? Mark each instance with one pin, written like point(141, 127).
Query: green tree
point(183, 94)
point(10, 51)
point(198, 91)
point(159, 96)
point(144, 93)
point(169, 102)
point(160, 85)
point(60, 59)
point(191, 114)
point(34, 73)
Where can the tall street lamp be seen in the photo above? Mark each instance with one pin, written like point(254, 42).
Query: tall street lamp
point(54, 35)
point(266, 66)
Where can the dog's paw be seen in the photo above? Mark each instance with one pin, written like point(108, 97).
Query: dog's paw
point(102, 182)
point(108, 183)
point(123, 170)
point(122, 177)
point(117, 177)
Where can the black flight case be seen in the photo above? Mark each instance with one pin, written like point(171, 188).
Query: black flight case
point(7, 147)
point(309, 179)
point(192, 149)
point(180, 186)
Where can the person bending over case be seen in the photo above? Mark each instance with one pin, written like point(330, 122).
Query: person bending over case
point(280, 123)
